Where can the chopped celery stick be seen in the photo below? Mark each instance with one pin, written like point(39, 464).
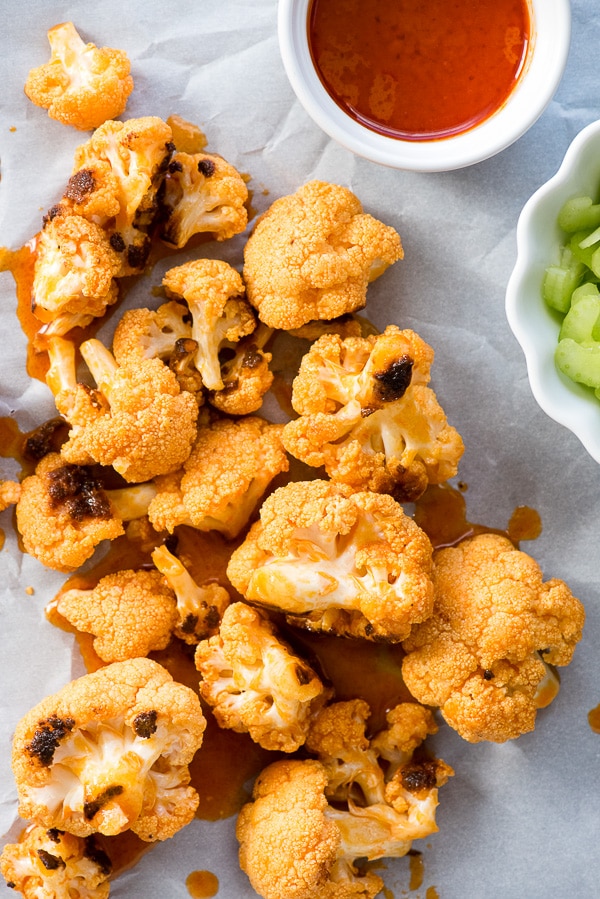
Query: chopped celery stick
point(561, 280)
point(581, 253)
point(579, 213)
point(587, 289)
point(580, 320)
point(580, 363)
point(592, 239)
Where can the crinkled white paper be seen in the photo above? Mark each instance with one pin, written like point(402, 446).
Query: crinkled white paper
point(519, 819)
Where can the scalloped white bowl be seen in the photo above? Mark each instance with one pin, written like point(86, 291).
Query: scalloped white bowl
point(533, 323)
point(542, 72)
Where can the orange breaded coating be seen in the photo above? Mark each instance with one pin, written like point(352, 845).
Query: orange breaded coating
point(82, 85)
point(223, 479)
point(332, 560)
point(63, 514)
point(202, 193)
point(312, 255)
point(483, 656)
point(367, 415)
point(255, 683)
point(48, 863)
point(130, 613)
point(110, 752)
point(10, 492)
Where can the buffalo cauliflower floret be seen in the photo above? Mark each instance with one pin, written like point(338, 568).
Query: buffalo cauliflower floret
point(82, 85)
point(10, 492)
point(313, 253)
point(137, 419)
point(333, 560)
point(75, 268)
point(63, 512)
point(246, 376)
point(110, 752)
point(383, 797)
point(482, 657)
point(289, 846)
point(224, 478)
point(130, 613)
point(202, 193)
point(200, 607)
point(115, 181)
point(213, 291)
point(164, 333)
point(367, 416)
point(48, 863)
point(255, 683)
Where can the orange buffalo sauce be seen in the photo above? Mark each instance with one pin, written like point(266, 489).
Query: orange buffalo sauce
point(419, 69)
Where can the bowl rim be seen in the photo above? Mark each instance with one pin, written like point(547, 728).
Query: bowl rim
point(536, 87)
point(533, 323)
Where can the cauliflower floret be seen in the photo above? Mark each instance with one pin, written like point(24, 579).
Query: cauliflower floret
point(333, 560)
point(10, 493)
point(131, 613)
point(53, 864)
point(63, 512)
point(75, 268)
point(110, 752)
point(382, 796)
point(136, 420)
point(289, 846)
point(224, 478)
point(367, 416)
point(313, 253)
point(200, 607)
point(246, 376)
point(213, 291)
point(482, 657)
point(255, 683)
point(115, 181)
point(82, 85)
point(202, 193)
point(164, 333)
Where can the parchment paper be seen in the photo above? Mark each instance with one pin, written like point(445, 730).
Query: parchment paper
point(517, 819)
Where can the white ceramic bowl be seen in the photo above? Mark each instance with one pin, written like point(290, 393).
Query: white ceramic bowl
point(533, 323)
point(551, 30)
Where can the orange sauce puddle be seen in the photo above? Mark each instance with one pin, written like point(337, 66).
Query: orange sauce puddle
point(417, 869)
point(202, 884)
point(594, 719)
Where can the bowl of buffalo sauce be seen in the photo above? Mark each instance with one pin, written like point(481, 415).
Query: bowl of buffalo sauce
point(424, 85)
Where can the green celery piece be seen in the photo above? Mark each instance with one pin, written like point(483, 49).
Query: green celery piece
point(579, 213)
point(582, 253)
point(579, 363)
point(587, 289)
point(561, 280)
point(579, 322)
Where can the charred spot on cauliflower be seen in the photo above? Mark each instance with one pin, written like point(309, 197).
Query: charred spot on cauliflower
point(483, 656)
point(366, 414)
point(312, 255)
point(255, 683)
point(82, 85)
point(102, 773)
point(333, 560)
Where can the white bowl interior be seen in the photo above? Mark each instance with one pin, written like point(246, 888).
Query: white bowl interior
point(533, 323)
point(543, 71)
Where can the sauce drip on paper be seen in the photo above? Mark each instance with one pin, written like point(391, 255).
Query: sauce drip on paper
point(419, 69)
